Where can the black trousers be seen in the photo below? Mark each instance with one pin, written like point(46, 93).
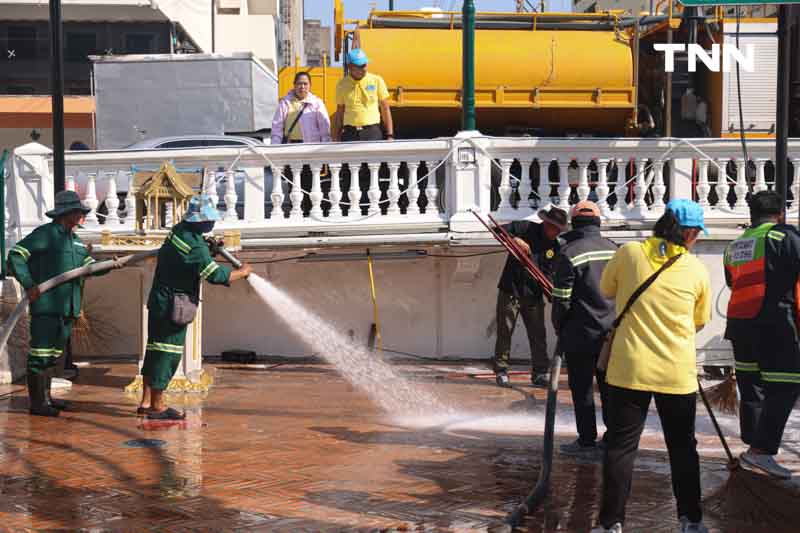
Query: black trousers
point(582, 371)
point(751, 388)
point(627, 412)
point(509, 307)
point(779, 400)
point(372, 132)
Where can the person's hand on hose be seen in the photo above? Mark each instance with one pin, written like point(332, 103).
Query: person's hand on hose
point(33, 294)
point(524, 245)
point(117, 264)
point(246, 270)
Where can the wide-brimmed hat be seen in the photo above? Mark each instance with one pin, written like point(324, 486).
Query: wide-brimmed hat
point(201, 209)
point(555, 216)
point(66, 202)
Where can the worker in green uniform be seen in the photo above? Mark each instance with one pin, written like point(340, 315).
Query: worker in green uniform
point(50, 250)
point(184, 261)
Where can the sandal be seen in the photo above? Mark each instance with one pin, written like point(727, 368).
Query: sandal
point(167, 414)
point(141, 411)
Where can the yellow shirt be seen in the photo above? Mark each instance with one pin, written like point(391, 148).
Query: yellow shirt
point(654, 347)
point(294, 108)
point(361, 99)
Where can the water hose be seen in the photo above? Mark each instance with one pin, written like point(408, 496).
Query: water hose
point(542, 486)
point(217, 247)
point(88, 270)
point(377, 324)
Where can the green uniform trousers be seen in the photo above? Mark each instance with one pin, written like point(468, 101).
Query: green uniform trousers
point(164, 350)
point(49, 337)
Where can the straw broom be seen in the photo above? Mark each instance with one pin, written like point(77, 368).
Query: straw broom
point(750, 497)
point(92, 331)
point(723, 396)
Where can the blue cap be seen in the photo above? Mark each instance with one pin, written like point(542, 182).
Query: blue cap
point(688, 213)
point(201, 209)
point(357, 57)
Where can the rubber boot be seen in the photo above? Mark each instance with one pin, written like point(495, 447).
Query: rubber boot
point(58, 404)
point(36, 396)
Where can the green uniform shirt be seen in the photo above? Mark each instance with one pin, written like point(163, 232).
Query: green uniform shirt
point(183, 262)
point(46, 252)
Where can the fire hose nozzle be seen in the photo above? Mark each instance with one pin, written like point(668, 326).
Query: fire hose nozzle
point(217, 247)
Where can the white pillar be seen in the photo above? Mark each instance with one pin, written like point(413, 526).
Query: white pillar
point(564, 188)
point(703, 188)
point(230, 197)
point(112, 201)
point(741, 187)
point(525, 188)
point(394, 191)
point(254, 193)
point(374, 193)
point(412, 191)
point(316, 191)
point(468, 187)
point(277, 195)
point(91, 199)
point(602, 189)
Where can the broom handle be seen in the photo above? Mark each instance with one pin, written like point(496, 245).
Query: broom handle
point(8, 326)
point(515, 252)
point(714, 421)
point(510, 239)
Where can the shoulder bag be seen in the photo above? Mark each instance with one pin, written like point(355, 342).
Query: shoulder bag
point(605, 351)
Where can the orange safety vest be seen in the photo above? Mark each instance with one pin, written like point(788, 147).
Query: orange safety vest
point(746, 265)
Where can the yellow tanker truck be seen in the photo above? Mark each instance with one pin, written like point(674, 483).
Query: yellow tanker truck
point(546, 74)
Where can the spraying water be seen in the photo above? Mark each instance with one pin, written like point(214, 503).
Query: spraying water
point(363, 368)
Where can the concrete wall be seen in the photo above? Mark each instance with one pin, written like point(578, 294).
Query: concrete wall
point(253, 33)
point(431, 307)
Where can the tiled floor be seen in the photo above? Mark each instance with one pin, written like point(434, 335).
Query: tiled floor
point(295, 448)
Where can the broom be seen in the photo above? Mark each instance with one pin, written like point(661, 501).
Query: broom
point(750, 497)
point(723, 396)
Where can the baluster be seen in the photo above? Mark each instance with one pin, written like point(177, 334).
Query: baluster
point(639, 208)
point(354, 194)
point(70, 185)
point(795, 188)
point(394, 191)
point(703, 188)
point(210, 186)
point(432, 192)
point(335, 194)
point(374, 192)
point(761, 179)
point(296, 196)
point(112, 200)
point(277, 196)
point(91, 199)
point(412, 192)
point(525, 186)
point(583, 188)
point(602, 187)
point(564, 188)
point(544, 183)
point(230, 197)
point(130, 201)
point(722, 187)
point(505, 186)
point(621, 188)
point(659, 188)
point(741, 187)
point(316, 191)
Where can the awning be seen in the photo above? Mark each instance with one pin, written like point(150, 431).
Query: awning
point(36, 112)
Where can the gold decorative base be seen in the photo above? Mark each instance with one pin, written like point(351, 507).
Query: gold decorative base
point(135, 385)
point(179, 384)
point(184, 384)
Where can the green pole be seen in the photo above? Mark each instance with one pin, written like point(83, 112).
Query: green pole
point(3, 159)
point(391, 5)
point(468, 66)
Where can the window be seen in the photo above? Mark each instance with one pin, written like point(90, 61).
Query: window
point(215, 142)
point(188, 143)
point(22, 41)
point(80, 46)
point(139, 43)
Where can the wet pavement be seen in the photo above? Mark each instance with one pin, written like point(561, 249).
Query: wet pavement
point(296, 448)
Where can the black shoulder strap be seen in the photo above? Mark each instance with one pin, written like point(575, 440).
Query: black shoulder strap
point(643, 287)
point(296, 120)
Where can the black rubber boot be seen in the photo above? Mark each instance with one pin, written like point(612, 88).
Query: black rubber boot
point(58, 404)
point(36, 396)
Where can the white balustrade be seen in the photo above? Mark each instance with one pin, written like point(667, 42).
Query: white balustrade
point(795, 188)
point(656, 169)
